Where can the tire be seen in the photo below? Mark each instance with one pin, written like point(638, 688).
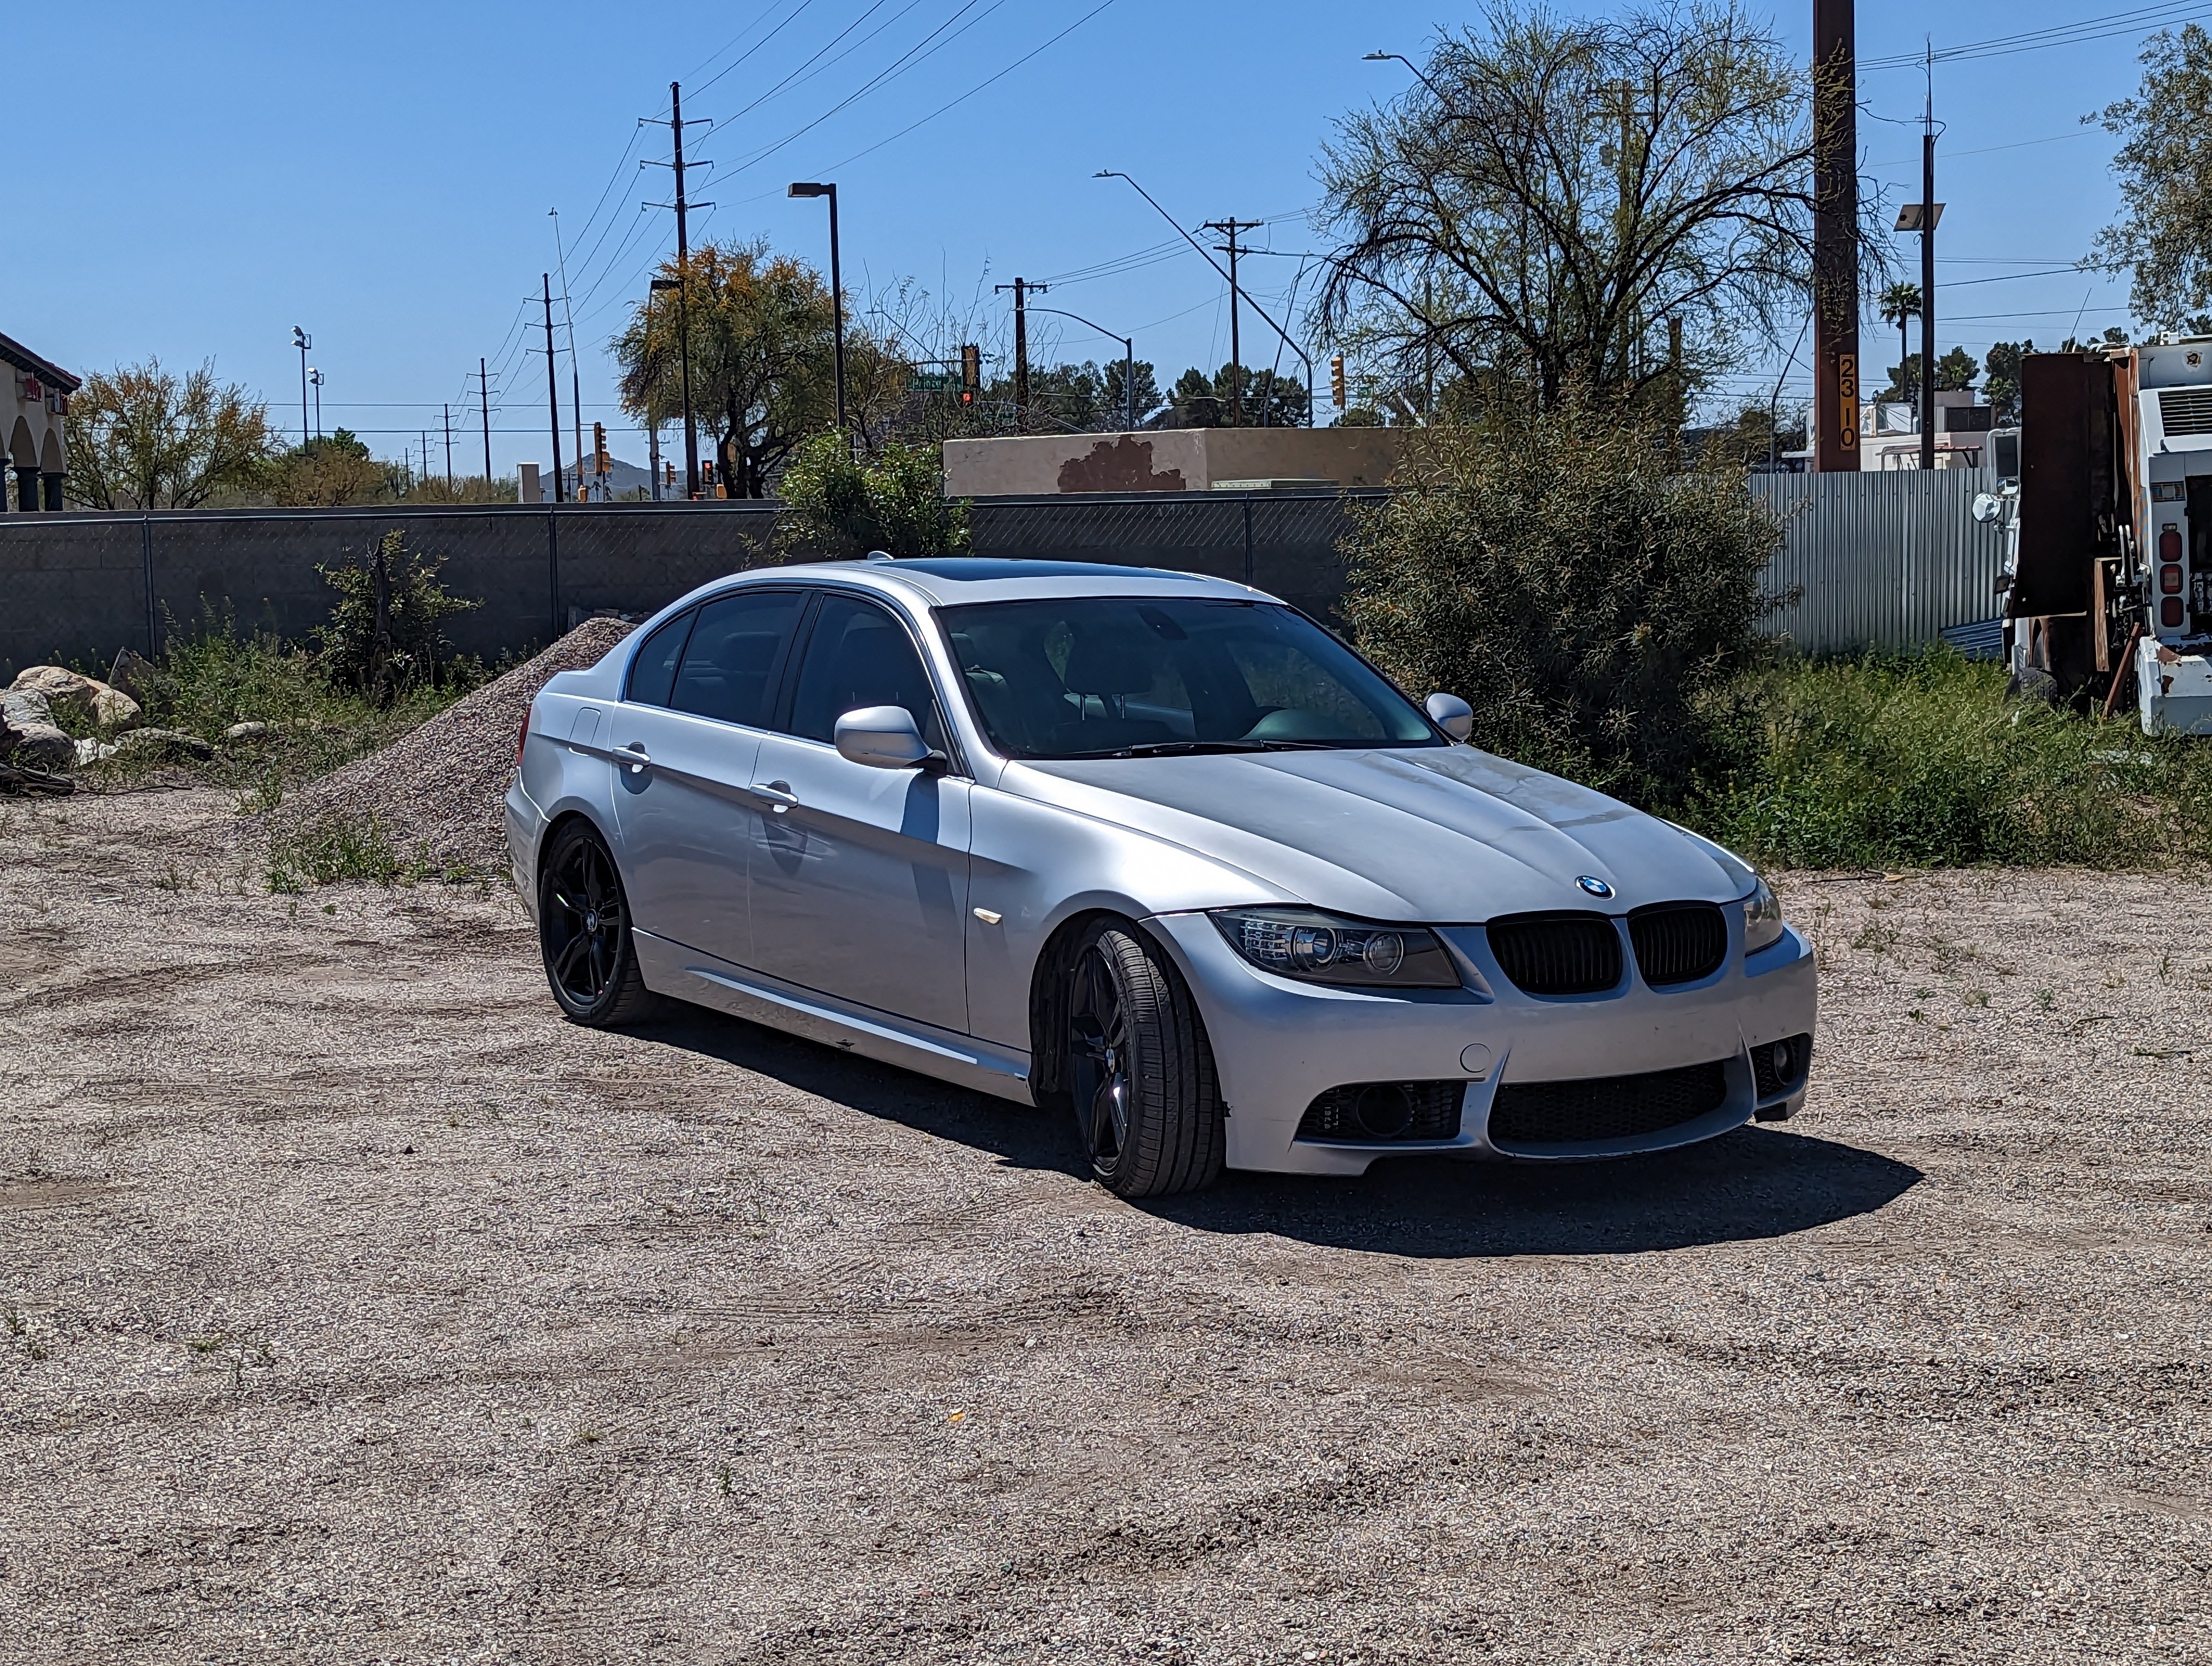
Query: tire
point(2035, 685)
point(1147, 1108)
point(583, 932)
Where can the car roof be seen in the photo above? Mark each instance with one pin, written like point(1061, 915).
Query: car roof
point(955, 580)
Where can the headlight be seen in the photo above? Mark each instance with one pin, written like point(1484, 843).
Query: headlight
point(1762, 919)
point(1326, 948)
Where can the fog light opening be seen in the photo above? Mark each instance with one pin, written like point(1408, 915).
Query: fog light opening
point(1384, 1110)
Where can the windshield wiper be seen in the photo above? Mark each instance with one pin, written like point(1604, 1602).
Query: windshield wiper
point(1201, 748)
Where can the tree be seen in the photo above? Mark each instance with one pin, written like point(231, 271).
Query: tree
point(761, 332)
point(328, 473)
point(2163, 236)
point(2001, 387)
point(1903, 387)
point(1114, 407)
point(1955, 371)
point(386, 634)
point(1203, 401)
point(1554, 192)
point(1900, 305)
point(1556, 570)
point(842, 506)
point(140, 439)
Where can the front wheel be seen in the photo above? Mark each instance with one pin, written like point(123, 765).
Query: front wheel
point(1140, 1070)
point(583, 932)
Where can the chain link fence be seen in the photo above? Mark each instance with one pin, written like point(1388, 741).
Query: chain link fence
point(1893, 559)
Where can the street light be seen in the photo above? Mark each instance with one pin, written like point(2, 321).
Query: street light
point(684, 360)
point(806, 188)
point(1115, 173)
point(1128, 358)
point(303, 341)
point(315, 377)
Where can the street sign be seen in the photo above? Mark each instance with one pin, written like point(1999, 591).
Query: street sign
point(934, 381)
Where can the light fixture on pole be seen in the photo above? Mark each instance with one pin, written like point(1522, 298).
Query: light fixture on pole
point(1128, 359)
point(827, 188)
point(315, 380)
point(303, 341)
point(683, 357)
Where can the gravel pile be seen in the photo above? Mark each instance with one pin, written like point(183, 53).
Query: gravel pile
point(438, 787)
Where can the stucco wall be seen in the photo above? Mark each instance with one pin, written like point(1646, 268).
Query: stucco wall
point(1167, 461)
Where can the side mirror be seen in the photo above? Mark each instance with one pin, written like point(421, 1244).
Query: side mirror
point(1450, 714)
point(883, 738)
point(1987, 506)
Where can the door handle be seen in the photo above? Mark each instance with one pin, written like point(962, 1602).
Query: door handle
point(633, 754)
point(777, 793)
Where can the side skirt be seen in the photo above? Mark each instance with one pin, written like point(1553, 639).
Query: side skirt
point(670, 969)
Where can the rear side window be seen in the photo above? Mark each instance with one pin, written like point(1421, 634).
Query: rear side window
point(730, 664)
point(858, 655)
point(652, 673)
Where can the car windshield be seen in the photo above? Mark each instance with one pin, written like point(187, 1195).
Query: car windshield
point(1132, 676)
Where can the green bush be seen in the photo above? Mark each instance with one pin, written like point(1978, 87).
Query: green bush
point(1559, 572)
point(385, 634)
point(836, 504)
point(1919, 761)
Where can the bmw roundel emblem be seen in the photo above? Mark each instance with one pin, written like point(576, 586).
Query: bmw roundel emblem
point(1594, 887)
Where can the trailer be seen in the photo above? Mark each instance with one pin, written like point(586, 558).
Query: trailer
point(2108, 525)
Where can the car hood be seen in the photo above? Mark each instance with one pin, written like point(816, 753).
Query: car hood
point(1445, 835)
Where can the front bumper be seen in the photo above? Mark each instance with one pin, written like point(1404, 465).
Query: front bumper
point(1277, 1044)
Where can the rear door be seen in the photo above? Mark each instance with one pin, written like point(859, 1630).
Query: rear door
point(684, 741)
point(859, 876)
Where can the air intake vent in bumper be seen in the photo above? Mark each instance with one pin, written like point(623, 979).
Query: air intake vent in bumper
point(1779, 1066)
point(1677, 942)
point(1557, 954)
point(1535, 1114)
point(1384, 1113)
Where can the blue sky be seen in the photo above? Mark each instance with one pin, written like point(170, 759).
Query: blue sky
point(191, 182)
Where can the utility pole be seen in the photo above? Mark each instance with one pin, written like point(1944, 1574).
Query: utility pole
point(575, 376)
point(552, 387)
point(652, 456)
point(682, 298)
point(1230, 227)
point(449, 448)
point(484, 397)
point(1930, 212)
point(1022, 289)
point(1835, 420)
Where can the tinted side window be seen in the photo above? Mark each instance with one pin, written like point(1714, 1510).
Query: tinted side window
point(858, 655)
point(732, 659)
point(652, 673)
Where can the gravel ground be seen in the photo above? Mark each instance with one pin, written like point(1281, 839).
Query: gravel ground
point(358, 1310)
point(437, 788)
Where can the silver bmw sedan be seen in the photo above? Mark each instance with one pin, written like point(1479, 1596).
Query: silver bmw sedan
point(1152, 849)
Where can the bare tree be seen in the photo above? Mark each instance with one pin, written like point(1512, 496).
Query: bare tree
point(1555, 197)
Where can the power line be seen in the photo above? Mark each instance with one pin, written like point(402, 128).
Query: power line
point(2063, 34)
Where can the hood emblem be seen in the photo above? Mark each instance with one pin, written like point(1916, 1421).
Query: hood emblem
point(1594, 887)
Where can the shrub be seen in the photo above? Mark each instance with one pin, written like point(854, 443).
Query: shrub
point(840, 505)
point(1559, 572)
point(384, 635)
point(1918, 760)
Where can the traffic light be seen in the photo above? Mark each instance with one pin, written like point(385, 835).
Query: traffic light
point(1336, 379)
point(971, 373)
point(598, 448)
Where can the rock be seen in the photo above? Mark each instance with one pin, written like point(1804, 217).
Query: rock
point(92, 752)
point(248, 730)
point(28, 734)
point(169, 743)
point(86, 697)
point(128, 671)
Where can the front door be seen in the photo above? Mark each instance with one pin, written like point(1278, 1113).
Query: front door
point(858, 875)
point(683, 742)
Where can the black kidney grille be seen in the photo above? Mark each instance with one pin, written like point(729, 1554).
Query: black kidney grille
point(1384, 1113)
point(1604, 1107)
point(1778, 1067)
point(1557, 954)
point(1677, 942)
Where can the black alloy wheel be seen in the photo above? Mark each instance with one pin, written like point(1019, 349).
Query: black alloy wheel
point(583, 930)
point(1138, 1069)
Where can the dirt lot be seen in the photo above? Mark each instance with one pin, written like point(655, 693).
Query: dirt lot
point(358, 1310)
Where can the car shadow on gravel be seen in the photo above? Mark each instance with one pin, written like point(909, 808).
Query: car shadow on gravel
point(1757, 1182)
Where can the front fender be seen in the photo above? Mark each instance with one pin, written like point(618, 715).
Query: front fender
point(1033, 866)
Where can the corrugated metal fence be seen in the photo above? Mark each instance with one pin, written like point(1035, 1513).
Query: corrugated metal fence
point(1873, 559)
point(1887, 560)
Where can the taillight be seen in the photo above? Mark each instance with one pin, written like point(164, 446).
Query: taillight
point(2169, 543)
point(522, 739)
point(2169, 580)
point(2169, 613)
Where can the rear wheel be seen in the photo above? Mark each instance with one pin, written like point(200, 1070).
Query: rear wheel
point(1138, 1069)
point(583, 932)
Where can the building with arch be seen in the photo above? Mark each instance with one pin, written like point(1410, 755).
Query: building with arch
point(33, 405)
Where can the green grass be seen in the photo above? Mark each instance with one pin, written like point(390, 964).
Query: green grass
point(1919, 761)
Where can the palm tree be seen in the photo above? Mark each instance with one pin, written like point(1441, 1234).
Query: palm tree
point(1900, 305)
